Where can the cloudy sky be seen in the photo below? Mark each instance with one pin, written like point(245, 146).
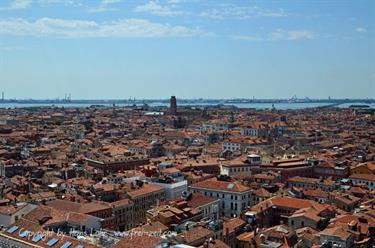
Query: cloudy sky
point(190, 48)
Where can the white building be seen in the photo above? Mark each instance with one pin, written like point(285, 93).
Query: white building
point(242, 144)
point(235, 167)
point(254, 132)
point(214, 126)
point(173, 190)
point(368, 179)
point(232, 146)
point(234, 197)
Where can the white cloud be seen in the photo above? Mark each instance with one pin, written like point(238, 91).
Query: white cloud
point(281, 34)
point(361, 30)
point(155, 8)
point(104, 6)
point(88, 29)
point(277, 35)
point(241, 12)
point(73, 3)
point(17, 4)
point(111, 1)
point(246, 38)
point(181, 1)
point(99, 9)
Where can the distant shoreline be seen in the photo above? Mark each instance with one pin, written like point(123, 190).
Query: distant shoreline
point(183, 101)
point(282, 105)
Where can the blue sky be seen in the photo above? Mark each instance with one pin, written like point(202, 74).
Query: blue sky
point(189, 48)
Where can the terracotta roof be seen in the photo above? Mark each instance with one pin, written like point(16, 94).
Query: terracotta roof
point(348, 199)
point(262, 193)
point(309, 213)
point(144, 190)
point(369, 177)
point(153, 226)
point(341, 232)
point(234, 163)
point(246, 236)
point(194, 234)
point(232, 224)
point(311, 180)
point(77, 218)
point(123, 202)
point(369, 165)
point(9, 210)
point(364, 221)
point(198, 200)
point(286, 202)
point(215, 184)
point(86, 208)
point(139, 241)
point(170, 170)
point(315, 193)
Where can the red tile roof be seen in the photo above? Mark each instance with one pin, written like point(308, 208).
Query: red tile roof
point(215, 184)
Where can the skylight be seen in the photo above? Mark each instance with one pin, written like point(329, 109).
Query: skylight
point(12, 229)
point(37, 238)
point(66, 245)
point(52, 242)
point(24, 233)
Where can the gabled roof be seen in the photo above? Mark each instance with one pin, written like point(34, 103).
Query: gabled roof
point(215, 184)
point(287, 202)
